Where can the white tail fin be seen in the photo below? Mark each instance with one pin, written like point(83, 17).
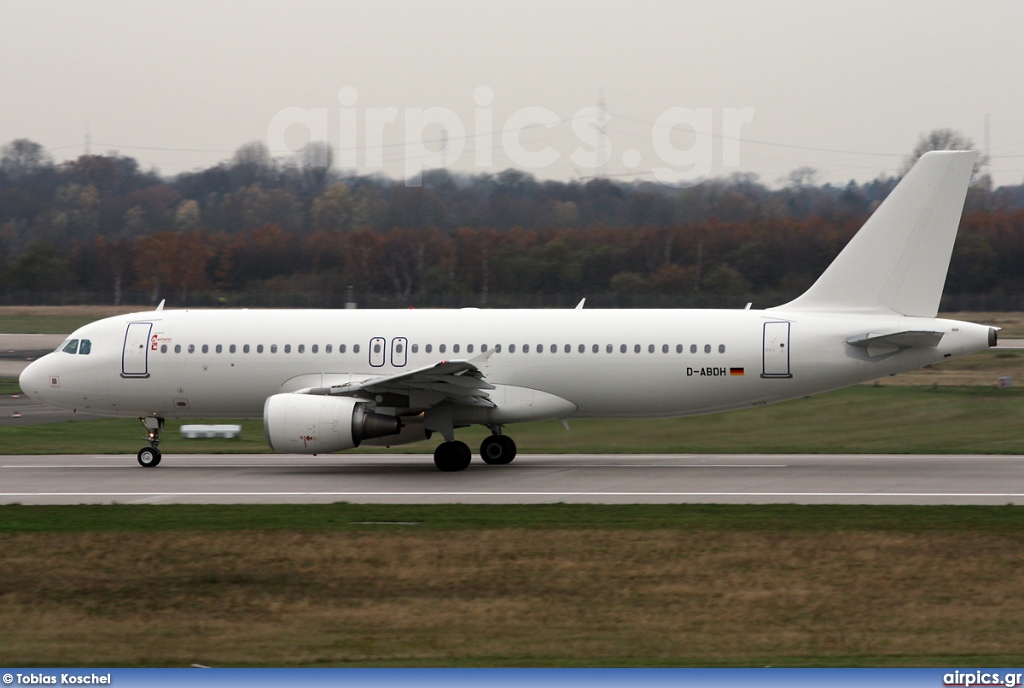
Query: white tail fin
point(898, 260)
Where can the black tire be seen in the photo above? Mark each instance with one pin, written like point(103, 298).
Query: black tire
point(452, 456)
point(498, 450)
point(149, 457)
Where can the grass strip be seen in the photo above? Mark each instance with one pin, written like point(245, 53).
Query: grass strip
point(862, 419)
point(787, 518)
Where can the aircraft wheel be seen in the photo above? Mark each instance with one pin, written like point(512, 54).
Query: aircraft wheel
point(452, 456)
point(498, 450)
point(149, 457)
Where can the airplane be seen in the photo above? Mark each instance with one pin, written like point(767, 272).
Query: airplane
point(329, 380)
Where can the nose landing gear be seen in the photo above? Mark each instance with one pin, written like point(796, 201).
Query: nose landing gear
point(150, 456)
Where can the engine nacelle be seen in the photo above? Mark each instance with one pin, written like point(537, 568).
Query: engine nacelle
point(318, 424)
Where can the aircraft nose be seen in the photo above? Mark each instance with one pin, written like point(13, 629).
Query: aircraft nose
point(34, 380)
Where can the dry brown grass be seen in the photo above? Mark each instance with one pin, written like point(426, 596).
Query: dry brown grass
point(505, 597)
point(1012, 323)
point(981, 369)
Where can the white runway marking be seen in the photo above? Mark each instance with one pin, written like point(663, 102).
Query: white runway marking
point(128, 465)
point(512, 494)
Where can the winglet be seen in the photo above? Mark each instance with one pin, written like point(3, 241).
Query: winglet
point(160, 307)
point(579, 306)
point(897, 262)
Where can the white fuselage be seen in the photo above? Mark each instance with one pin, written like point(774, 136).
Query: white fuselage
point(647, 363)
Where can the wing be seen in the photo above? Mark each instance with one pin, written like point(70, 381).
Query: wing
point(457, 382)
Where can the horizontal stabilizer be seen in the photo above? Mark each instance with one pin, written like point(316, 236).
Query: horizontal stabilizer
point(880, 344)
point(900, 339)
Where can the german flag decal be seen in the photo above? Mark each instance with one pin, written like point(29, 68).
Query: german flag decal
point(735, 371)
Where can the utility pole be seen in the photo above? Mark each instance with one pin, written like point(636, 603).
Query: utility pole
point(988, 158)
point(599, 150)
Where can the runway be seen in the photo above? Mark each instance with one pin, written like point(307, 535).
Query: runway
point(531, 479)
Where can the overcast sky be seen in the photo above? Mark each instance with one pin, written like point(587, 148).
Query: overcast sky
point(843, 87)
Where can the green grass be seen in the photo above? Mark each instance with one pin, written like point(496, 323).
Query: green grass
point(9, 385)
point(45, 324)
point(369, 518)
point(863, 419)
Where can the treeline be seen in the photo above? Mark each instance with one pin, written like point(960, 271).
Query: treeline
point(250, 229)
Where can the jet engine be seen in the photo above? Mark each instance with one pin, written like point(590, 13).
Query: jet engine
point(317, 424)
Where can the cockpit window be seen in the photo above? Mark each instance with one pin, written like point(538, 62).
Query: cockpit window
point(85, 347)
point(71, 347)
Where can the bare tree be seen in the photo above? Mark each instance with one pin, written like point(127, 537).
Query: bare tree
point(22, 157)
point(316, 161)
point(942, 139)
point(252, 164)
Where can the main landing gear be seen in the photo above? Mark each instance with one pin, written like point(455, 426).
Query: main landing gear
point(496, 450)
point(150, 456)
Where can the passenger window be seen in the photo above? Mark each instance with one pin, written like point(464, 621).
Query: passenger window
point(273, 348)
point(721, 348)
point(636, 348)
point(455, 348)
point(302, 348)
point(497, 348)
point(376, 348)
point(707, 348)
point(526, 348)
point(341, 348)
point(483, 348)
point(206, 348)
point(71, 347)
point(583, 348)
point(86, 347)
point(554, 348)
point(287, 348)
point(355, 348)
point(679, 348)
point(163, 349)
point(650, 348)
point(430, 347)
point(219, 348)
point(177, 348)
point(232, 349)
point(415, 348)
point(540, 348)
point(245, 349)
point(511, 348)
point(328, 349)
point(608, 349)
point(313, 349)
point(664, 348)
point(442, 348)
point(595, 348)
point(622, 349)
point(259, 348)
point(191, 348)
point(469, 348)
point(693, 348)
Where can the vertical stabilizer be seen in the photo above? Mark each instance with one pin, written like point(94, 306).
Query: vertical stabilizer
point(898, 260)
